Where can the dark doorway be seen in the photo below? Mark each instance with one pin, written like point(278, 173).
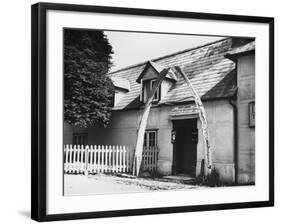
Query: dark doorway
point(185, 147)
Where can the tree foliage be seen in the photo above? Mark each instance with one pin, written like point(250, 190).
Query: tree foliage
point(88, 91)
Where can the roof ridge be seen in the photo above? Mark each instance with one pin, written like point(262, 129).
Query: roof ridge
point(169, 55)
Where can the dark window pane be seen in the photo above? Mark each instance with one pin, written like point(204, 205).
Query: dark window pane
point(80, 139)
point(145, 140)
point(153, 84)
point(153, 139)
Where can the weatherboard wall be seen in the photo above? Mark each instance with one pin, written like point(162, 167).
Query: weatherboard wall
point(246, 135)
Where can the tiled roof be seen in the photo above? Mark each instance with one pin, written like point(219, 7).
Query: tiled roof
point(211, 74)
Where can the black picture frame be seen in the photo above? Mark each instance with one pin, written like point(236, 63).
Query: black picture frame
point(38, 108)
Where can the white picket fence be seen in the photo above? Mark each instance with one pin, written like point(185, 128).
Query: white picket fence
point(149, 159)
point(106, 159)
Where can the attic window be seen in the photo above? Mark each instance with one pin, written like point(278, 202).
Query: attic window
point(146, 90)
point(152, 85)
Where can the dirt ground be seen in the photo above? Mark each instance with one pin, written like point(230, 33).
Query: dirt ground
point(104, 184)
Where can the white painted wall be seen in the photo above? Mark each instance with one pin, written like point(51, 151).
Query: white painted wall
point(220, 122)
point(118, 95)
point(123, 131)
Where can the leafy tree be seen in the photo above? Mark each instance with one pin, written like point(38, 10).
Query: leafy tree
point(88, 91)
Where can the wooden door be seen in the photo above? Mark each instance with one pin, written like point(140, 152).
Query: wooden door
point(185, 151)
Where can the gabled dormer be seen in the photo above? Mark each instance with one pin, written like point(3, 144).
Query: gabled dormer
point(148, 78)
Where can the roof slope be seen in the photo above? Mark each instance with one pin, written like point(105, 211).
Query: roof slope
point(205, 66)
point(242, 49)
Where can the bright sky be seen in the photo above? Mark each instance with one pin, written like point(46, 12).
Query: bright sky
point(131, 48)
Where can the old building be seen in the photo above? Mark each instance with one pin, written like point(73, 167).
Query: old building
point(223, 73)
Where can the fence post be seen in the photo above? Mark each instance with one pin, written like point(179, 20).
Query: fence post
point(106, 157)
point(117, 158)
point(86, 160)
point(91, 159)
point(113, 159)
point(109, 160)
point(71, 159)
point(102, 158)
point(124, 158)
point(95, 158)
point(98, 159)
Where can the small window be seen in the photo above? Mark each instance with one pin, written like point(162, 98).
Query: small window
point(152, 85)
point(80, 139)
point(150, 138)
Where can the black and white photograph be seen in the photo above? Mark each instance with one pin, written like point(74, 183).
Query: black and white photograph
point(142, 111)
point(148, 112)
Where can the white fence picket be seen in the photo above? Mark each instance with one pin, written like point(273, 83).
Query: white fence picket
point(91, 159)
point(66, 150)
point(124, 159)
point(82, 158)
point(109, 159)
point(117, 159)
point(98, 159)
point(70, 159)
point(74, 159)
point(78, 162)
point(95, 159)
point(102, 159)
point(113, 159)
point(106, 158)
point(120, 159)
